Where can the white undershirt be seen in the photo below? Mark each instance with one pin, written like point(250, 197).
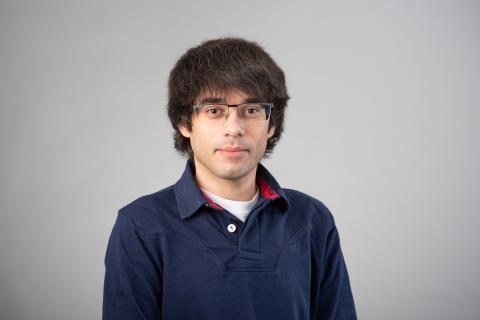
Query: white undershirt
point(240, 209)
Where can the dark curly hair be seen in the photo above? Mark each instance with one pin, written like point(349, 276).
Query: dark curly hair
point(219, 65)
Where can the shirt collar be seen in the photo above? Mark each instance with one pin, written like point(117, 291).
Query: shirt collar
point(190, 197)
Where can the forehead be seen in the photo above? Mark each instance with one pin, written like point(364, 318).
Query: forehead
point(224, 95)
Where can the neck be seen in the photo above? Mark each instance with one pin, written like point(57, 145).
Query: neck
point(239, 189)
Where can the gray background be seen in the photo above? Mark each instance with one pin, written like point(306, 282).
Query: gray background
point(382, 127)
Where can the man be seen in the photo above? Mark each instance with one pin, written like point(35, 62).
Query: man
point(226, 241)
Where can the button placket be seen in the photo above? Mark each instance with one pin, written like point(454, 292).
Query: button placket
point(249, 242)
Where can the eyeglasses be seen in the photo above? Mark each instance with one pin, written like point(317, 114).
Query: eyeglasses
point(217, 113)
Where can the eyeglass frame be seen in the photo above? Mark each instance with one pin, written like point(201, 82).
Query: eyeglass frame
point(267, 115)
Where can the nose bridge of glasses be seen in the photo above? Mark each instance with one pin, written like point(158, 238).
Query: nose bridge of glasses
point(236, 106)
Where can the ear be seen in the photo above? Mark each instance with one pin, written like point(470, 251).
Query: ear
point(184, 131)
point(271, 131)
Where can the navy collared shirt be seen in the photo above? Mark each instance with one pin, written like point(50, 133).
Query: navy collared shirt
point(175, 254)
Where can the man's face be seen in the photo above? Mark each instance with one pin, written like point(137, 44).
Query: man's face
point(213, 146)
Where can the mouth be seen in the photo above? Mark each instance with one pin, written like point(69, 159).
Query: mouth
point(235, 152)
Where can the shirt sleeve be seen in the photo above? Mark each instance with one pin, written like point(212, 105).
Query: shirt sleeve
point(133, 282)
point(331, 293)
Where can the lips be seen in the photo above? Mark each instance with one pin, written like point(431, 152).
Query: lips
point(233, 152)
point(233, 149)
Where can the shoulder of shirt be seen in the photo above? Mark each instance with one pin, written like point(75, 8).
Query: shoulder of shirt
point(148, 209)
point(315, 210)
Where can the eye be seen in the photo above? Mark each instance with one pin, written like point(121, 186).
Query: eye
point(251, 111)
point(213, 110)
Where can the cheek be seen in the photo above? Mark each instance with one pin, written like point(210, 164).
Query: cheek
point(201, 143)
point(196, 144)
point(262, 137)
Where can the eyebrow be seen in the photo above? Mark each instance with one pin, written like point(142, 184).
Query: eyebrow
point(222, 100)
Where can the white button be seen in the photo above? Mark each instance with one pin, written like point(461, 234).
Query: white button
point(231, 227)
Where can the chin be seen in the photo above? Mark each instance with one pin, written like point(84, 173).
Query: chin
point(233, 171)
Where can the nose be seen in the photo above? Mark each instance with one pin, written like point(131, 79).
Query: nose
point(234, 124)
